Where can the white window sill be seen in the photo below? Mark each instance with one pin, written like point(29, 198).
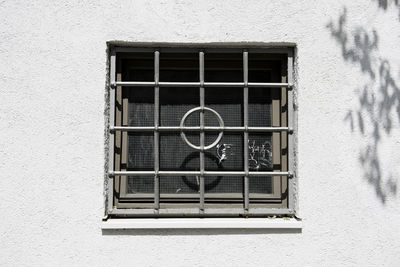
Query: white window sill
point(206, 223)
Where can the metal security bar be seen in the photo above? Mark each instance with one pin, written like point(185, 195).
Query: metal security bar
point(291, 123)
point(246, 133)
point(196, 129)
point(111, 137)
point(201, 173)
point(156, 132)
point(198, 84)
point(202, 134)
point(197, 173)
point(192, 212)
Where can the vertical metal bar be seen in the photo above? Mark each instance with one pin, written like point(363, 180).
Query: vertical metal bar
point(124, 141)
point(246, 133)
point(119, 181)
point(123, 105)
point(276, 137)
point(111, 137)
point(291, 121)
point(283, 181)
point(202, 134)
point(156, 132)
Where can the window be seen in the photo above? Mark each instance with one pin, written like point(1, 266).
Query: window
point(200, 132)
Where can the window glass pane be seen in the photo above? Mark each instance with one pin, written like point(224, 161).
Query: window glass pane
point(260, 107)
point(260, 152)
point(179, 67)
point(223, 184)
point(260, 159)
point(140, 158)
point(227, 102)
point(140, 151)
point(260, 185)
point(227, 155)
point(223, 67)
point(176, 155)
point(180, 185)
point(140, 106)
point(175, 102)
point(264, 68)
point(136, 185)
point(137, 67)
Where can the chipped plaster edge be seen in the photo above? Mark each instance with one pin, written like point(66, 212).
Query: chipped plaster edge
point(106, 133)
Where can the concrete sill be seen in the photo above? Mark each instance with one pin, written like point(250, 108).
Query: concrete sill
point(206, 223)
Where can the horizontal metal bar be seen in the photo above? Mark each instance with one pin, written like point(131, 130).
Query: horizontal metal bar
point(207, 211)
point(198, 128)
point(196, 195)
point(207, 48)
point(196, 173)
point(197, 84)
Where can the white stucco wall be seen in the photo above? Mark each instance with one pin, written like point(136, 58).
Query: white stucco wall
point(52, 84)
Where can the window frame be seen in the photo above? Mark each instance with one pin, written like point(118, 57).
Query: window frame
point(179, 210)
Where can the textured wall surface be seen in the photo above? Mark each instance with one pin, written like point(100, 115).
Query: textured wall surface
point(52, 80)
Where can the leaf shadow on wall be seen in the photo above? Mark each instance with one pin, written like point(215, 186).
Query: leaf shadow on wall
point(379, 99)
point(385, 4)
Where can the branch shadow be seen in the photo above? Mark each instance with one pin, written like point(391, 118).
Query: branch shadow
point(378, 99)
point(386, 4)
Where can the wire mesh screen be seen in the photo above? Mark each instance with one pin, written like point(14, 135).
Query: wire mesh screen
point(228, 153)
point(175, 102)
point(180, 185)
point(261, 185)
point(228, 102)
point(140, 151)
point(224, 184)
point(260, 107)
point(260, 152)
point(140, 106)
point(140, 157)
point(176, 154)
point(260, 159)
point(140, 185)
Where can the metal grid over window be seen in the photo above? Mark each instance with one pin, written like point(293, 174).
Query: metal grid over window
point(149, 112)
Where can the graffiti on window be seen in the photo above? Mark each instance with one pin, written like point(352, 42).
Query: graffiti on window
point(260, 155)
point(224, 151)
